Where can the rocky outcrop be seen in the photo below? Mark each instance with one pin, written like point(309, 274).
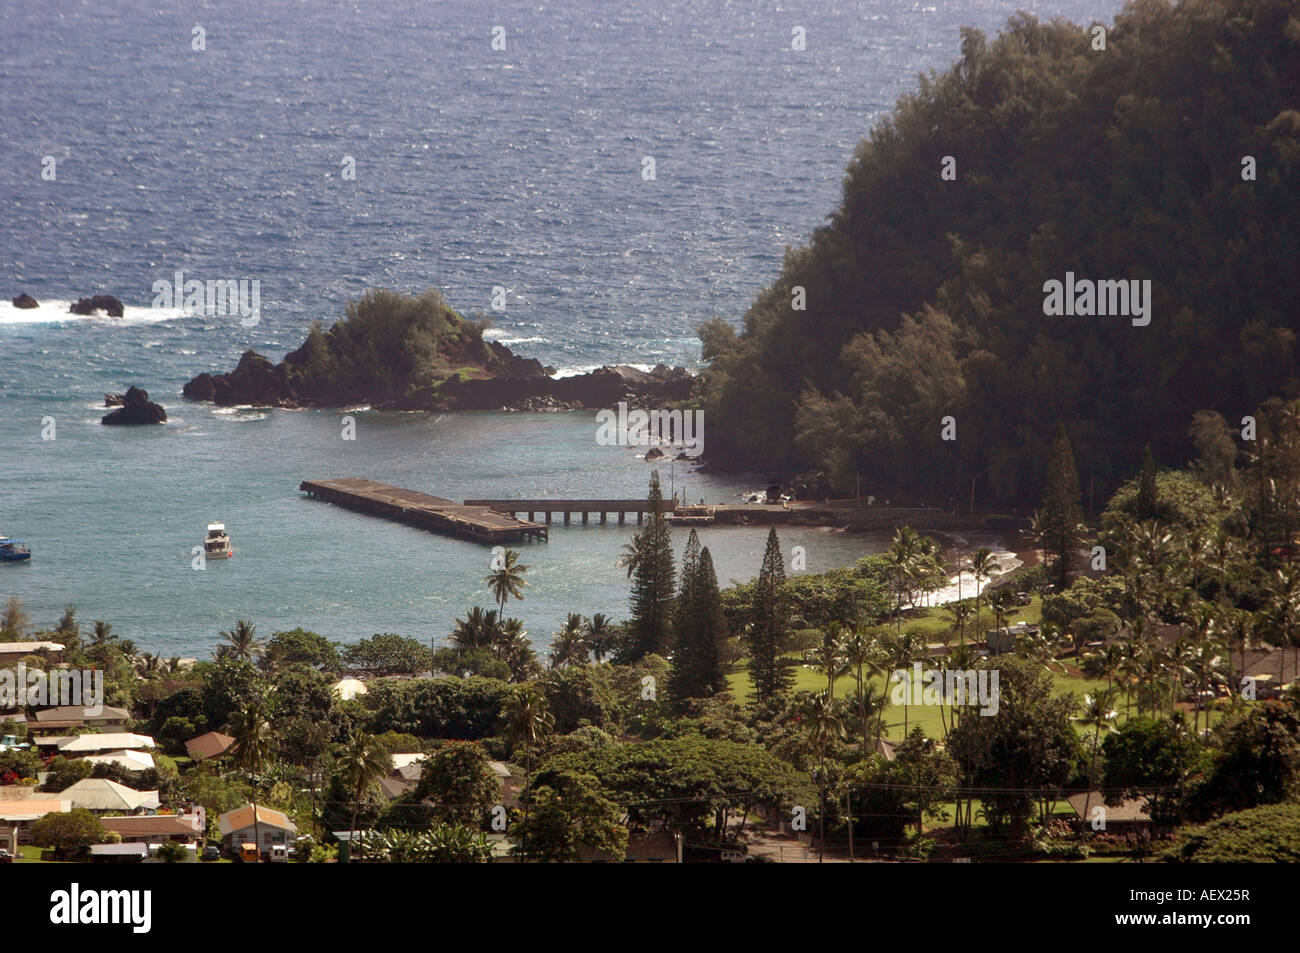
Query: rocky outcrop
point(603, 387)
point(114, 400)
point(26, 301)
point(255, 380)
point(106, 303)
point(515, 383)
point(136, 408)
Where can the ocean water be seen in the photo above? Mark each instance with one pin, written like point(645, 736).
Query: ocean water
point(476, 169)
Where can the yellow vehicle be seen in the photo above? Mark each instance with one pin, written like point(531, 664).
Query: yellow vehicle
point(248, 853)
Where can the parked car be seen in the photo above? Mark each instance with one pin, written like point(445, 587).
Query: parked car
point(248, 853)
point(6, 857)
point(212, 852)
point(279, 854)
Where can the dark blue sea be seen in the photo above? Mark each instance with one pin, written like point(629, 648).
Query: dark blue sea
point(475, 168)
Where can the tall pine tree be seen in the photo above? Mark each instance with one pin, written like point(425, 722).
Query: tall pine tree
point(699, 629)
point(1061, 516)
point(767, 632)
point(653, 583)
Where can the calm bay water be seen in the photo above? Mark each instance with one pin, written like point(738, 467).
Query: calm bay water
point(475, 168)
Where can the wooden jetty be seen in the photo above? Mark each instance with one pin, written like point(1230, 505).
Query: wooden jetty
point(567, 508)
point(468, 520)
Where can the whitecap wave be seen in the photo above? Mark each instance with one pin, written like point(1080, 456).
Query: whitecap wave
point(56, 312)
point(588, 368)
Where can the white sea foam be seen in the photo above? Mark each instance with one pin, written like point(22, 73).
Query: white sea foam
point(588, 368)
point(56, 312)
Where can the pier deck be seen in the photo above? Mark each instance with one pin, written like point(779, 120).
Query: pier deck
point(466, 520)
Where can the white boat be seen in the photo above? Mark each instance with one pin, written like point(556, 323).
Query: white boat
point(217, 545)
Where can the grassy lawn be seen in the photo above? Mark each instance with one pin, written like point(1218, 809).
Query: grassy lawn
point(29, 854)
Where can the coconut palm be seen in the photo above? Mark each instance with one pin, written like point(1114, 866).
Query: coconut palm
point(828, 658)
point(517, 652)
point(1098, 712)
point(1284, 608)
point(1240, 628)
point(242, 641)
point(959, 614)
point(1105, 663)
point(903, 650)
point(601, 635)
point(570, 645)
point(982, 566)
point(630, 557)
point(528, 720)
point(101, 633)
point(479, 629)
point(507, 581)
point(365, 763)
point(823, 727)
point(862, 654)
point(249, 753)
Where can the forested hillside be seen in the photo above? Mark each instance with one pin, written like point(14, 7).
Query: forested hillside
point(925, 296)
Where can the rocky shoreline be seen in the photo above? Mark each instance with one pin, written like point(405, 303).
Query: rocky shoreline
point(509, 382)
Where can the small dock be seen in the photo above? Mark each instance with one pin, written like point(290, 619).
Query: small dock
point(567, 508)
point(468, 520)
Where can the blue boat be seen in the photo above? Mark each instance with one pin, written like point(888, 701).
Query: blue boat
point(13, 550)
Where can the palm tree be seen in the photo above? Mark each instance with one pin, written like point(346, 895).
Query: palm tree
point(102, 633)
point(1106, 663)
point(249, 754)
point(242, 641)
point(1002, 601)
point(528, 720)
point(365, 762)
point(902, 554)
point(1098, 711)
point(828, 658)
point(508, 581)
point(1241, 629)
point(959, 614)
point(982, 565)
point(823, 727)
point(630, 557)
point(600, 636)
point(570, 646)
point(517, 652)
point(479, 629)
point(903, 650)
point(861, 653)
point(1284, 603)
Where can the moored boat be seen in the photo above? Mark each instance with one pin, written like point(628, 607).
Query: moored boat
point(217, 545)
point(13, 550)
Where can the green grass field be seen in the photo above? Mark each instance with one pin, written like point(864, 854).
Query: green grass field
point(935, 627)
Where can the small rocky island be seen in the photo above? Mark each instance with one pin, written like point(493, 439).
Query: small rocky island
point(396, 352)
point(26, 301)
point(133, 407)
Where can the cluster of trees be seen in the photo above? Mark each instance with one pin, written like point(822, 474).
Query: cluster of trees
point(924, 295)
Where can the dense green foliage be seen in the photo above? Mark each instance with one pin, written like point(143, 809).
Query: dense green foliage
point(925, 296)
point(1262, 835)
point(387, 348)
